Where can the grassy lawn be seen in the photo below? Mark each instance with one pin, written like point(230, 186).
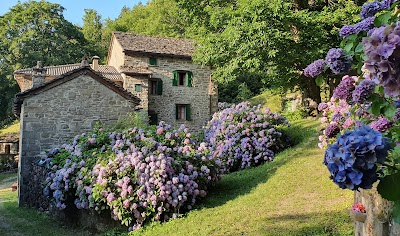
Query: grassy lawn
point(290, 196)
point(13, 128)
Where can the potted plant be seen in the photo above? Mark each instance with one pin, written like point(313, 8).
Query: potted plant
point(358, 213)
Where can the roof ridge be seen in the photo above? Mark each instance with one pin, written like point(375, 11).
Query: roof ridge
point(152, 36)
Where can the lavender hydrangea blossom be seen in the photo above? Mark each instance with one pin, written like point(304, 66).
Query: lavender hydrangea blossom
point(364, 25)
point(332, 130)
point(315, 68)
point(363, 89)
point(345, 87)
point(346, 31)
point(381, 125)
point(370, 9)
point(352, 159)
point(338, 61)
point(382, 61)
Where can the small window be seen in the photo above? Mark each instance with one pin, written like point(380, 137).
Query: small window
point(7, 149)
point(183, 112)
point(155, 87)
point(153, 118)
point(153, 61)
point(182, 78)
point(138, 88)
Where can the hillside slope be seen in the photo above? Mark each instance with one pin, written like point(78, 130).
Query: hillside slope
point(290, 196)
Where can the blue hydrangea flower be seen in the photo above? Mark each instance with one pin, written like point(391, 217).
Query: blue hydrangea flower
point(352, 159)
point(365, 88)
point(315, 68)
point(370, 9)
point(338, 61)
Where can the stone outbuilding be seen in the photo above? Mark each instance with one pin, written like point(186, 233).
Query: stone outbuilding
point(9, 151)
point(53, 112)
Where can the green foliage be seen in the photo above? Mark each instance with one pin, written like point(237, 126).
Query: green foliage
point(133, 119)
point(92, 31)
point(29, 32)
point(273, 99)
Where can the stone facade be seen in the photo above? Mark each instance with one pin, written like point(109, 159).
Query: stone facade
point(55, 115)
point(378, 221)
point(202, 96)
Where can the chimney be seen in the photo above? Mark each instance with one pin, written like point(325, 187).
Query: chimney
point(84, 62)
point(95, 63)
point(39, 73)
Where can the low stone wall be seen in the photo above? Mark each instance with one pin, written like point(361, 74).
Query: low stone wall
point(35, 197)
point(378, 222)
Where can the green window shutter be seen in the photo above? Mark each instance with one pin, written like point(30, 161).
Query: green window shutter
point(175, 78)
point(159, 87)
point(153, 61)
point(188, 117)
point(176, 111)
point(138, 88)
point(190, 78)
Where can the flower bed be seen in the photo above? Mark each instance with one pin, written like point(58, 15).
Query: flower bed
point(243, 136)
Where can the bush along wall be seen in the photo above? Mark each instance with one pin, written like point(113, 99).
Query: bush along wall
point(139, 176)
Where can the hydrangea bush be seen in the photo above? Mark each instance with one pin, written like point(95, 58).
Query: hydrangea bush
point(362, 127)
point(243, 136)
point(138, 176)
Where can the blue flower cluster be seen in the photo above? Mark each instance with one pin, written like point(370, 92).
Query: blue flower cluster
point(362, 26)
point(363, 90)
point(315, 68)
point(352, 159)
point(338, 61)
point(345, 87)
point(370, 9)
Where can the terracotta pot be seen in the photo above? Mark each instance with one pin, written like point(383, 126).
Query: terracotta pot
point(358, 216)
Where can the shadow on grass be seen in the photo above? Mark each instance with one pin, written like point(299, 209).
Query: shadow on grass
point(244, 181)
point(327, 223)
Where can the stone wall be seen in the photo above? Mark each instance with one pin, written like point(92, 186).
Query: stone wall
point(129, 84)
point(55, 116)
point(378, 222)
point(201, 98)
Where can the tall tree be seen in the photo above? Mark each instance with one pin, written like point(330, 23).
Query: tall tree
point(92, 30)
point(34, 31)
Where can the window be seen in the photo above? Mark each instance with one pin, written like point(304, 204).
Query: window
point(7, 149)
point(155, 87)
point(182, 78)
point(153, 61)
point(138, 88)
point(153, 117)
point(183, 112)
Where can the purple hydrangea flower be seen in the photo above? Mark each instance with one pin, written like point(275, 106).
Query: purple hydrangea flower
point(362, 91)
point(352, 159)
point(315, 68)
point(364, 25)
point(338, 61)
point(343, 90)
point(381, 125)
point(387, 3)
point(332, 130)
point(346, 31)
point(322, 106)
point(370, 9)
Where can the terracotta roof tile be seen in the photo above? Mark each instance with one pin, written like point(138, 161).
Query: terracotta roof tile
point(136, 43)
point(108, 72)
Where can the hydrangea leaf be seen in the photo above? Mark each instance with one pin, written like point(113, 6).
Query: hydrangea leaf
point(389, 188)
point(383, 19)
point(348, 47)
point(390, 111)
point(359, 48)
point(319, 80)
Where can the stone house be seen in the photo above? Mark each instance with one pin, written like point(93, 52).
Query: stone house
point(154, 74)
point(52, 113)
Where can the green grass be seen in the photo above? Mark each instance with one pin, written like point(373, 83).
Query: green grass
point(268, 99)
point(13, 128)
point(290, 196)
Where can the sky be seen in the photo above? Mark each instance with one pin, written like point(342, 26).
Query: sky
point(74, 9)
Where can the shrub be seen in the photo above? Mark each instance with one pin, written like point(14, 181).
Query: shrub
point(243, 136)
point(138, 175)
